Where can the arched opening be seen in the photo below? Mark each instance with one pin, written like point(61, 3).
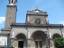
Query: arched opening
point(56, 35)
point(39, 38)
point(21, 40)
point(56, 38)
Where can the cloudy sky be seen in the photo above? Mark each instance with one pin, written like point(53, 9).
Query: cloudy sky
point(55, 9)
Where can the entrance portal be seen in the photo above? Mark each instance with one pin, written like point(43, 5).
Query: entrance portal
point(21, 38)
point(38, 44)
point(40, 39)
point(20, 44)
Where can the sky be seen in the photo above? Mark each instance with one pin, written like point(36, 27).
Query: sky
point(54, 8)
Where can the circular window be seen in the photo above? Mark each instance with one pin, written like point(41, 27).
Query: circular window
point(38, 21)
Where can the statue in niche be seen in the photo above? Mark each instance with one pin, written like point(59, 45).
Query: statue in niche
point(12, 1)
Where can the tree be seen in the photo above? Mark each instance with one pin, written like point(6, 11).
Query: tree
point(58, 41)
point(56, 36)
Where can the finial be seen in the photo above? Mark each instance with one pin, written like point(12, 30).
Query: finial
point(12, 1)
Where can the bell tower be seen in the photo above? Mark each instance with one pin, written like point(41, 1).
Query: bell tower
point(11, 13)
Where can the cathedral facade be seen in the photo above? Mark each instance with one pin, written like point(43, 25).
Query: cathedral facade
point(36, 32)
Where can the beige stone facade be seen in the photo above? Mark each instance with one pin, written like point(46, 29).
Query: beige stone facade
point(36, 32)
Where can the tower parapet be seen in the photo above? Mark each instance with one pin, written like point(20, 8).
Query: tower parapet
point(12, 2)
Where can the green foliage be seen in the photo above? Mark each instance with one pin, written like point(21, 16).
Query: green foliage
point(59, 42)
point(56, 36)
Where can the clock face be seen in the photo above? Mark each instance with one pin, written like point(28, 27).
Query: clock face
point(38, 21)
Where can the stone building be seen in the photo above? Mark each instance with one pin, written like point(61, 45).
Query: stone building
point(36, 32)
